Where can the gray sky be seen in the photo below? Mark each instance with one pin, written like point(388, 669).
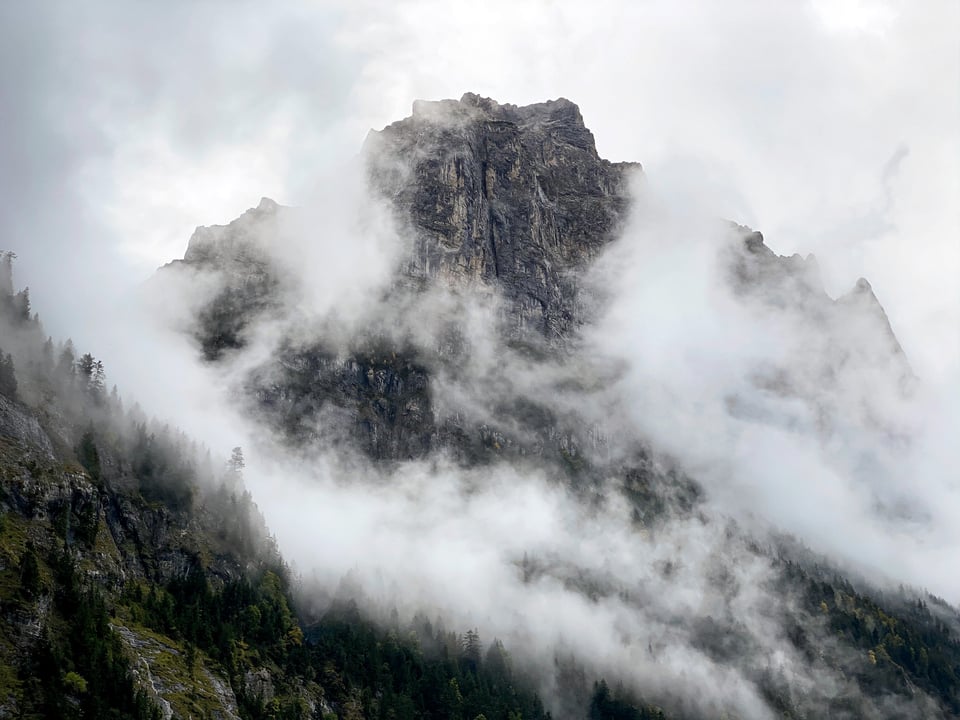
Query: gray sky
point(832, 126)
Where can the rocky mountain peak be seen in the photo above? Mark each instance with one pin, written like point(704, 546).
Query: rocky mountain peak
point(225, 245)
point(513, 201)
point(267, 205)
point(511, 196)
point(869, 328)
point(560, 116)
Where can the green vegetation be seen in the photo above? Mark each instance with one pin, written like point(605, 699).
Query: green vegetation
point(365, 672)
point(79, 667)
point(904, 643)
point(88, 455)
point(606, 705)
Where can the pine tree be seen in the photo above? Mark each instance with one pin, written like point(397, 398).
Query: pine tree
point(472, 650)
point(235, 464)
point(85, 367)
point(88, 456)
point(6, 274)
point(22, 305)
point(65, 364)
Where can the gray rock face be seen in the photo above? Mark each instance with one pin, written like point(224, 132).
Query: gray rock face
point(230, 268)
point(515, 198)
point(233, 248)
point(516, 202)
point(512, 196)
point(160, 668)
point(852, 337)
point(21, 426)
point(131, 538)
point(378, 402)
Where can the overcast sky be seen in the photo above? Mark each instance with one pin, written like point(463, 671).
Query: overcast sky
point(832, 126)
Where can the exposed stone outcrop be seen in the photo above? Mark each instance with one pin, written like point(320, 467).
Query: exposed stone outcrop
point(512, 201)
point(18, 425)
point(230, 276)
point(504, 201)
point(160, 667)
point(512, 196)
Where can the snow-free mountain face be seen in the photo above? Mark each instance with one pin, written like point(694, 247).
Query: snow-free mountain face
point(512, 197)
point(501, 339)
point(504, 208)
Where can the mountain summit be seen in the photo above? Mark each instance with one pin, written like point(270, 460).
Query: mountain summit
point(511, 205)
point(506, 194)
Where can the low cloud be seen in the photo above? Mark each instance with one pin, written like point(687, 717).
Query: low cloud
point(792, 121)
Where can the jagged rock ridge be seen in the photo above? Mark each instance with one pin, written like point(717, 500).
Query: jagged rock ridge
point(510, 200)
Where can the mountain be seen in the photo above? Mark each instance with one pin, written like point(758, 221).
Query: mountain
point(509, 209)
point(474, 349)
point(503, 207)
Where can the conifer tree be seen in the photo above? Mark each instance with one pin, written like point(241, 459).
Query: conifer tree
point(236, 464)
point(6, 274)
point(22, 306)
point(65, 364)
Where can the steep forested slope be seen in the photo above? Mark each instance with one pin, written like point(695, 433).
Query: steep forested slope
point(138, 581)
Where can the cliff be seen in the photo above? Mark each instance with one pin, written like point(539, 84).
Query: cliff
point(503, 206)
point(511, 196)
